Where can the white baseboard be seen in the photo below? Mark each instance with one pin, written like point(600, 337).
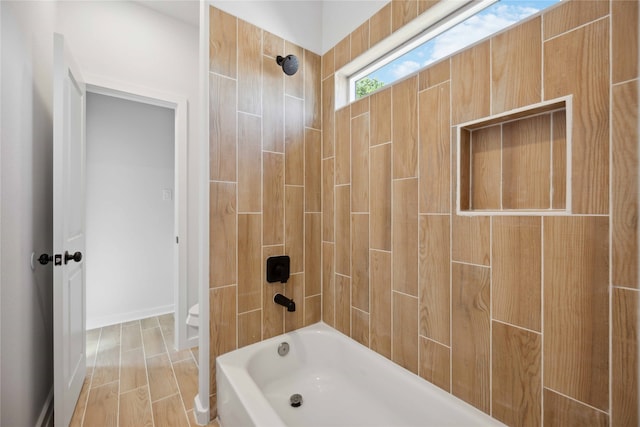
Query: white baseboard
point(113, 319)
point(202, 412)
point(46, 415)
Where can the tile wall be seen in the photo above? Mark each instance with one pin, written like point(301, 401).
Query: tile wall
point(265, 157)
point(531, 319)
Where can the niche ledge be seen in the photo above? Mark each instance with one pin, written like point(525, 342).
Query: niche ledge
point(517, 162)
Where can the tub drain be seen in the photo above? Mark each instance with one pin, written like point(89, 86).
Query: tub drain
point(296, 400)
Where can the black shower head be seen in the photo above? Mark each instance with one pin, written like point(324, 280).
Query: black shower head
point(288, 63)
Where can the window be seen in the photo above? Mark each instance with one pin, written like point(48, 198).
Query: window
point(468, 25)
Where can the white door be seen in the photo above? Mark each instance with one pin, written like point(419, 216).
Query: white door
point(69, 358)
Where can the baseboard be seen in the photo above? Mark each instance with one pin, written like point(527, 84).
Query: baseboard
point(202, 413)
point(46, 415)
point(113, 319)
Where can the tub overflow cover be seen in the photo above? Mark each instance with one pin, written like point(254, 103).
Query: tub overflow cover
point(296, 400)
point(283, 349)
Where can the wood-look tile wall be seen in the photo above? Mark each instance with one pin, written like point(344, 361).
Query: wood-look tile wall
point(531, 319)
point(265, 184)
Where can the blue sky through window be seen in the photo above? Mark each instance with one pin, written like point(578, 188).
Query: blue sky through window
point(489, 21)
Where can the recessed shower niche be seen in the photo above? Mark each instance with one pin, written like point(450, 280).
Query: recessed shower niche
point(517, 162)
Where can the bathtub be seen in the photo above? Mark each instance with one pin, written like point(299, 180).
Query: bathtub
point(342, 383)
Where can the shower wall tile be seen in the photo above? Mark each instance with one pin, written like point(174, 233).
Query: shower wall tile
point(435, 363)
point(380, 267)
point(272, 106)
point(328, 205)
point(223, 43)
point(360, 326)
point(380, 124)
point(517, 375)
point(294, 226)
point(294, 85)
point(222, 128)
point(342, 53)
point(590, 89)
point(405, 331)
point(273, 198)
point(624, 40)
point(559, 165)
point(222, 309)
point(435, 74)
point(576, 308)
point(360, 106)
point(486, 168)
point(624, 148)
point(360, 163)
point(294, 289)
point(222, 234)
point(380, 25)
point(404, 230)
point(328, 117)
point(516, 67)
point(572, 14)
point(328, 60)
point(312, 253)
point(625, 357)
point(343, 304)
point(312, 310)
point(360, 40)
point(343, 229)
point(405, 128)
point(471, 239)
point(249, 327)
point(380, 201)
point(312, 90)
point(249, 68)
point(424, 5)
point(516, 271)
point(435, 155)
point(360, 261)
point(402, 12)
point(560, 411)
point(343, 146)
point(272, 314)
point(294, 140)
point(249, 163)
point(313, 170)
point(470, 334)
point(250, 263)
point(470, 91)
point(272, 45)
point(328, 283)
point(434, 279)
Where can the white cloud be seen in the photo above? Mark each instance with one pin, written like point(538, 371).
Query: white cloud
point(405, 68)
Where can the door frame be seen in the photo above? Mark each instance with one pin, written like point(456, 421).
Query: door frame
point(105, 86)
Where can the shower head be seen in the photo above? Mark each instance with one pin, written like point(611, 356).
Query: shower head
point(288, 63)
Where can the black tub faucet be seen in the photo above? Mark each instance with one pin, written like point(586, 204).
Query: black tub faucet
point(285, 302)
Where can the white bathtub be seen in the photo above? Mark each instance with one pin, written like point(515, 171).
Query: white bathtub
point(342, 383)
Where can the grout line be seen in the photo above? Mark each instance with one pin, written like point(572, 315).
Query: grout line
point(119, 377)
point(491, 219)
point(470, 263)
point(404, 294)
point(635, 79)
point(625, 288)
point(542, 352)
point(611, 221)
point(516, 326)
point(434, 341)
point(575, 28)
point(146, 371)
point(576, 400)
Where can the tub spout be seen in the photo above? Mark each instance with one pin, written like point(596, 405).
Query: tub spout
point(285, 302)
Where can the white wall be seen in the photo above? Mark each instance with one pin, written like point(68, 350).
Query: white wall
point(130, 229)
point(26, 347)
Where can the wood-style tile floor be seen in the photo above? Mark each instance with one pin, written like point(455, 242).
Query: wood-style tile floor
point(136, 378)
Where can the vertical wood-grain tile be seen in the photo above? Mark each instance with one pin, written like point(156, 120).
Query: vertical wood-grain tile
point(294, 289)
point(343, 232)
point(133, 371)
point(249, 327)
point(571, 15)
point(312, 90)
point(380, 25)
point(343, 304)
point(249, 163)
point(526, 163)
point(170, 413)
point(294, 227)
point(272, 315)
point(312, 253)
point(435, 363)
point(402, 12)
point(272, 45)
point(328, 60)
point(470, 92)
point(380, 110)
point(624, 43)
point(250, 263)
point(360, 40)
point(405, 331)
point(328, 284)
point(576, 308)
point(583, 54)
point(435, 155)
point(223, 323)
point(162, 382)
point(559, 166)
point(294, 85)
point(313, 170)
point(516, 271)
point(486, 168)
point(249, 68)
point(273, 198)
point(343, 146)
point(405, 236)
point(625, 357)
point(222, 128)
point(434, 254)
point(272, 105)
point(470, 334)
point(405, 128)
point(464, 198)
point(360, 261)
point(435, 74)
point(102, 406)
point(380, 201)
point(560, 411)
point(328, 194)
point(360, 163)
point(328, 117)
point(294, 140)
point(381, 302)
point(360, 326)
point(187, 376)
point(624, 190)
point(223, 42)
point(471, 239)
point(135, 409)
point(360, 106)
point(342, 52)
point(312, 309)
point(516, 59)
point(517, 375)
point(222, 234)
